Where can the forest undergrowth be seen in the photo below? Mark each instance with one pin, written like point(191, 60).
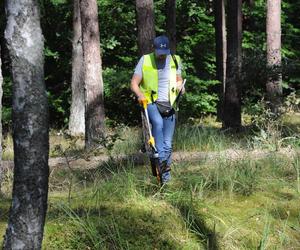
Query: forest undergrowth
point(226, 203)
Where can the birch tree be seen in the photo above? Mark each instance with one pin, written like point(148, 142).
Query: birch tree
point(77, 121)
point(30, 126)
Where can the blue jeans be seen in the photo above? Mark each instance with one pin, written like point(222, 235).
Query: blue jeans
point(162, 131)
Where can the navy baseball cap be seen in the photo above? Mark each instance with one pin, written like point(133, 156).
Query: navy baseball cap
point(162, 45)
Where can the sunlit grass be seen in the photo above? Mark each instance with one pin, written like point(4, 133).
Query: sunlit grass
point(199, 138)
point(245, 204)
point(130, 142)
point(204, 135)
point(227, 204)
point(221, 203)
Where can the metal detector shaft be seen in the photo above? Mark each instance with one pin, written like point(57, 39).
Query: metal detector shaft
point(151, 142)
point(148, 122)
point(151, 139)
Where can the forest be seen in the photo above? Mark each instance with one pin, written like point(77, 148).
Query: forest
point(75, 171)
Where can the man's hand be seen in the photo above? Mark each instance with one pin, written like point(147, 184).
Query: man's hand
point(143, 101)
point(141, 98)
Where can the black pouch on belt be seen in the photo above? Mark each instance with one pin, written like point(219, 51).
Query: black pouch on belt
point(165, 109)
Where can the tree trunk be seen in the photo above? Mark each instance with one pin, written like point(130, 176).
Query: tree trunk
point(251, 3)
point(1, 92)
point(273, 86)
point(220, 36)
point(93, 82)
point(76, 122)
point(146, 35)
point(145, 26)
point(30, 126)
point(171, 23)
point(232, 102)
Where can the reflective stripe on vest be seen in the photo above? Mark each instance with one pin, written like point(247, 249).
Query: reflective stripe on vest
point(149, 85)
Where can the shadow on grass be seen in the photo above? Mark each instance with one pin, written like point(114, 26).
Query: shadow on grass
point(127, 226)
point(198, 227)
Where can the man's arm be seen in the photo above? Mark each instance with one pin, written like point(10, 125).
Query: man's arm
point(135, 82)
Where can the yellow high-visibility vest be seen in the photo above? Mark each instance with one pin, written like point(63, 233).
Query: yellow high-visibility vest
point(149, 84)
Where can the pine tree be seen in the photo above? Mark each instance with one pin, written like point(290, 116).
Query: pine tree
point(273, 86)
point(93, 82)
point(145, 25)
point(171, 23)
point(1, 92)
point(220, 36)
point(146, 35)
point(232, 100)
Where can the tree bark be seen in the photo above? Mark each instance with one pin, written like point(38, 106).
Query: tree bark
point(251, 3)
point(273, 86)
point(171, 23)
point(146, 35)
point(145, 26)
point(1, 93)
point(93, 82)
point(30, 126)
point(77, 122)
point(232, 102)
point(220, 38)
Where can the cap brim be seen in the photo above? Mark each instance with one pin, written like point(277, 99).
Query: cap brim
point(162, 52)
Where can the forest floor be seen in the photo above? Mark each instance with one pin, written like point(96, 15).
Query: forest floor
point(92, 162)
point(226, 192)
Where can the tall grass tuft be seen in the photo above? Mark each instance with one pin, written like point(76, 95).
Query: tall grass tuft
point(265, 237)
point(86, 227)
point(129, 143)
point(296, 165)
point(199, 138)
point(240, 176)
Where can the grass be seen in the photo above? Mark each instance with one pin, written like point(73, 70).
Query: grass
point(224, 203)
point(255, 205)
point(206, 137)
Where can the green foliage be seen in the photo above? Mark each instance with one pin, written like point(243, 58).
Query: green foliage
point(118, 39)
point(7, 104)
point(56, 21)
point(59, 108)
point(196, 101)
point(195, 45)
point(120, 104)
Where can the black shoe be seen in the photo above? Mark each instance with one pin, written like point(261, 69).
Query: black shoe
point(164, 167)
point(154, 165)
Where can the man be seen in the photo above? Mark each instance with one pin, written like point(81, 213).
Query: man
point(157, 78)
